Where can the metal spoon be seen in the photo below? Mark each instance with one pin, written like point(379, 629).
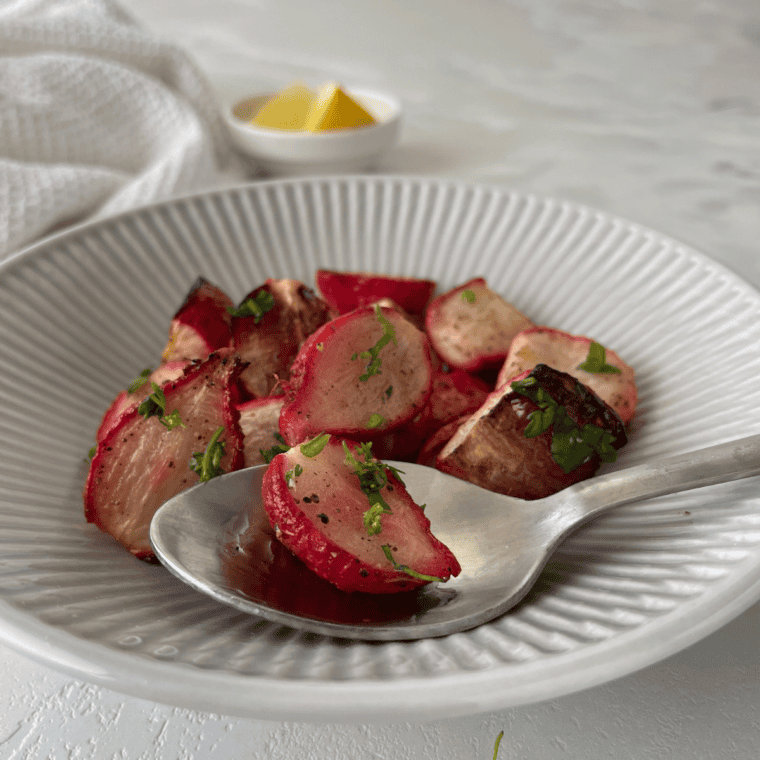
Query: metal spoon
point(502, 544)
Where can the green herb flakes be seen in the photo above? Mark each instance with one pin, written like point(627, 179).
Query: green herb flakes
point(279, 448)
point(315, 445)
point(207, 464)
point(155, 406)
point(404, 569)
point(372, 355)
point(571, 445)
point(596, 361)
point(139, 381)
point(256, 306)
point(469, 296)
point(375, 421)
point(373, 476)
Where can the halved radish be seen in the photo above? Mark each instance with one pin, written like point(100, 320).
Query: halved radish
point(346, 291)
point(615, 384)
point(530, 448)
point(201, 325)
point(269, 327)
point(360, 376)
point(471, 327)
point(143, 461)
point(322, 511)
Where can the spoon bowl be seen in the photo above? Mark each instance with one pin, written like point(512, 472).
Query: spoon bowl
point(216, 538)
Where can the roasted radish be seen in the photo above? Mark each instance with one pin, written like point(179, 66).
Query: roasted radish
point(359, 376)
point(471, 327)
point(137, 391)
point(598, 368)
point(182, 433)
point(201, 325)
point(348, 517)
point(269, 327)
point(535, 437)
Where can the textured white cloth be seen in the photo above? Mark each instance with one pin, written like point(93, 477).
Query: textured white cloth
point(97, 116)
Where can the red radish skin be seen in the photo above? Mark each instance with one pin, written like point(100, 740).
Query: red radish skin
point(325, 392)
point(271, 344)
point(201, 325)
point(471, 327)
point(318, 515)
point(346, 291)
point(140, 464)
point(125, 400)
point(259, 422)
point(565, 352)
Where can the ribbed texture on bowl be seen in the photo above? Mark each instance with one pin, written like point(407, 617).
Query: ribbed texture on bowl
point(86, 312)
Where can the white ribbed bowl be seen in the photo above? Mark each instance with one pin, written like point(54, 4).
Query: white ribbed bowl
point(87, 310)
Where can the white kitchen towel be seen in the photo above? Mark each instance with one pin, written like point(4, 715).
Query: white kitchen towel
point(97, 116)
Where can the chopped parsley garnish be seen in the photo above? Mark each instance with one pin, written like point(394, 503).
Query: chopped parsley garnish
point(373, 476)
point(315, 445)
point(372, 355)
point(279, 448)
point(375, 421)
point(92, 451)
point(207, 463)
point(155, 406)
point(404, 569)
point(596, 361)
point(469, 296)
point(388, 391)
point(571, 444)
point(256, 306)
point(139, 381)
point(170, 421)
point(294, 473)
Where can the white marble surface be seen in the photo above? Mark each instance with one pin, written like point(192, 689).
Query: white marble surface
point(646, 109)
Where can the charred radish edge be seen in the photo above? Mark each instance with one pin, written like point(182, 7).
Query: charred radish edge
point(126, 514)
point(302, 531)
point(468, 335)
point(346, 291)
point(573, 443)
point(597, 367)
point(268, 329)
point(201, 324)
point(374, 411)
point(489, 448)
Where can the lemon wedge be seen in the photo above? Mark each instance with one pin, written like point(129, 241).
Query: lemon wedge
point(333, 109)
point(287, 109)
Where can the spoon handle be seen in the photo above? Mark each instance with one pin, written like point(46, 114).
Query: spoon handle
point(716, 464)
